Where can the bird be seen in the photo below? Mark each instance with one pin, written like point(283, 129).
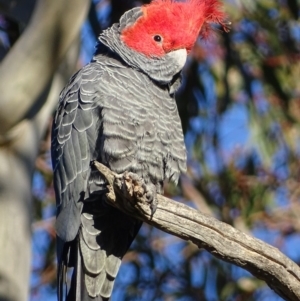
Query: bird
point(120, 110)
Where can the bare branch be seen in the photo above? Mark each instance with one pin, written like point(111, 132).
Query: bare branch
point(220, 239)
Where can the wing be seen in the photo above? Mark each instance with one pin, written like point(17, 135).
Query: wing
point(74, 135)
point(78, 137)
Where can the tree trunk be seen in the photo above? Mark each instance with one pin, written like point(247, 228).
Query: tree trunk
point(29, 93)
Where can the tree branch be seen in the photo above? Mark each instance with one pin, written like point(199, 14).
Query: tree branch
point(220, 239)
point(29, 66)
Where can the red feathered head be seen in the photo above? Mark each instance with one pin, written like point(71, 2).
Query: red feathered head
point(167, 25)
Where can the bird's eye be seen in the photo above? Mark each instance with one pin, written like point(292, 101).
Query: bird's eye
point(157, 38)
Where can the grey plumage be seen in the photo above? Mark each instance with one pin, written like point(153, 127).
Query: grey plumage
point(119, 110)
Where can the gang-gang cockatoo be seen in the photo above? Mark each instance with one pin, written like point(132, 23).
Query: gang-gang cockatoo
point(120, 110)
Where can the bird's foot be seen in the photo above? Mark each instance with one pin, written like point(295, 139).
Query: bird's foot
point(140, 189)
point(151, 196)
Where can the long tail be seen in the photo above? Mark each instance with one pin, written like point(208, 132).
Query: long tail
point(103, 239)
point(78, 291)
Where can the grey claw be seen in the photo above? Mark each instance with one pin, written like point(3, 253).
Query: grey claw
point(151, 197)
point(134, 176)
point(149, 191)
point(153, 206)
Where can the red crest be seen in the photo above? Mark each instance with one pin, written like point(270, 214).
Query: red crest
point(178, 24)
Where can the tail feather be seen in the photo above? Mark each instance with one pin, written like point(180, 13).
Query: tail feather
point(75, 292)
point(78, 289)
point(95, 254)
point(60, 281)
point(63, 252)
point(94, 284)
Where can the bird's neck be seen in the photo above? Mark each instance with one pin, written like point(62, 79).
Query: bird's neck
point(158, 69)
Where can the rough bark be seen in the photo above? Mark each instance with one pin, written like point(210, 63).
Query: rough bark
point(28, 96)
point(220, 239)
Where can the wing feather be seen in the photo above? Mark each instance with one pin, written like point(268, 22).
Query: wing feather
point(74, 133)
